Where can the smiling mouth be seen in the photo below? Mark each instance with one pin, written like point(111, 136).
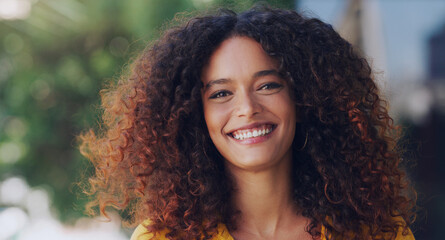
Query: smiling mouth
point(260, 131)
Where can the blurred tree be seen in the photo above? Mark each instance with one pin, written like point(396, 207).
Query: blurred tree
point(53, 64)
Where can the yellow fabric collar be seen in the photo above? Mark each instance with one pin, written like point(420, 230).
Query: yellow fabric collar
point(141, 233)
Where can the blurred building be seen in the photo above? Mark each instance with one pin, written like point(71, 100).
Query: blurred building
point(360, 24)
point(437, 56)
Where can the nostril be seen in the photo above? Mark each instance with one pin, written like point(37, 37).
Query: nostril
point(248, 107)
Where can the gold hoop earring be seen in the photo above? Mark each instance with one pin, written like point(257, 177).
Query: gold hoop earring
point(305, 143)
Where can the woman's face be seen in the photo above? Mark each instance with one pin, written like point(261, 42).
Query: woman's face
point(247, 106)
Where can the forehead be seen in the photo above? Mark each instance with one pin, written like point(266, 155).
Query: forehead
point(237, 57)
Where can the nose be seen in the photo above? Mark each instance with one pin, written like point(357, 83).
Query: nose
point(247, 105)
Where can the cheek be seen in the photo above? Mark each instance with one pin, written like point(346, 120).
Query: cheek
point(283, 106)
point(216, 116)
point(286, 110)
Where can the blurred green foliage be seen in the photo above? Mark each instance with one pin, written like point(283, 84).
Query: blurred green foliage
point(52, 66)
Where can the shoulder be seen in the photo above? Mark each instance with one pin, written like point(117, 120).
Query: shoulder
point(141, 233)
point(408, 236)
point(401, 234)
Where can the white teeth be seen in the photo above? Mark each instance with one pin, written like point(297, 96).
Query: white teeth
point(250, 134)
point(255, 133)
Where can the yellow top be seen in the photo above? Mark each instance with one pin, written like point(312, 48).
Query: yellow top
point(140, 233)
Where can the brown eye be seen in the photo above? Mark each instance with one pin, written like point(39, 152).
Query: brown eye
point(220, 94)
point(270, 86)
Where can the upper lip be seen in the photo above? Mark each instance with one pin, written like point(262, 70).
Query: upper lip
point(250, 126)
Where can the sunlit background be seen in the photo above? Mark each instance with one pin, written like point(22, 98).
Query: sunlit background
point(56, 55)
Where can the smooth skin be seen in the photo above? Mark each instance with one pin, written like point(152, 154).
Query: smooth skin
point(243, 90)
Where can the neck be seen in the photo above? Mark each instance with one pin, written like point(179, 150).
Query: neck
point(264, 198)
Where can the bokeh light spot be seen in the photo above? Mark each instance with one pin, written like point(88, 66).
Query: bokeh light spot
point(15, 128)
point(10, 152)
point(71, 69)
point(419, 104)
point(12, 220)
point(40, 89)
point(102, 62)
point(13, 43)
point(201, 3)
point(38, 203)
point(14, 9)
point(13, 191)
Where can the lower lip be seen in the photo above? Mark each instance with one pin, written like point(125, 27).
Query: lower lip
point(254, 139)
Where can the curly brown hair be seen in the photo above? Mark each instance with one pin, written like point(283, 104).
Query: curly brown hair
point(155, 159)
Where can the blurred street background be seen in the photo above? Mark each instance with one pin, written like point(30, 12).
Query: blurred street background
point(55, 56)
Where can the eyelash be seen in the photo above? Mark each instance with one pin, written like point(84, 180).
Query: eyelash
point(218, 94)
point(271, 85)
point(267, 86)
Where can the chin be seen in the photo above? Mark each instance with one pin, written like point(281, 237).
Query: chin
point(254, 164)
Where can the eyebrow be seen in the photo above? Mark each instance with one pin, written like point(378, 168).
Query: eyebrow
point(266, 73)
point(214, 82)
point(258, 74)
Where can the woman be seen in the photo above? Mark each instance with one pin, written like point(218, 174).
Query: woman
point(262, 125)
